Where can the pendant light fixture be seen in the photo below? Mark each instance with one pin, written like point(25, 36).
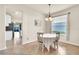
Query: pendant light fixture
point(49, 18)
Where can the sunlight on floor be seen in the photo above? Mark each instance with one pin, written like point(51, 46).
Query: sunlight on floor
point(16, 38)
point(61, 51)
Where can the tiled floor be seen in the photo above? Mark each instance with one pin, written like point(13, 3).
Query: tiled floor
point(33, 49)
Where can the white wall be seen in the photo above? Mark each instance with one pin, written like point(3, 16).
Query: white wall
point(74, 22)
point(47, 26)
point(7, 19)
point(29, 29)
point(2, 28)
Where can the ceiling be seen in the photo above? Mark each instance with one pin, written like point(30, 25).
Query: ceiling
point(44, 8)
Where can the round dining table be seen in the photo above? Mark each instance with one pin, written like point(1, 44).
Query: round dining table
point(48, 39)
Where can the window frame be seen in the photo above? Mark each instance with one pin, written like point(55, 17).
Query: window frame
point(68, 24)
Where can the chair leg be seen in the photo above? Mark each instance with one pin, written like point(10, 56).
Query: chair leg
point(54, 44)
point(48, 48)
point(40, 46)
point(57, 45)
point(43, 47)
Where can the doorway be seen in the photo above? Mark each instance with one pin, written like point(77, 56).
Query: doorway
point(13, 32)
point(17, 33)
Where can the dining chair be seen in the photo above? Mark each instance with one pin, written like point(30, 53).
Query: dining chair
point(40, 41)
point(57, 40)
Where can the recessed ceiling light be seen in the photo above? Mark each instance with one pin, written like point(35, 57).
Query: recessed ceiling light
point(17, 12)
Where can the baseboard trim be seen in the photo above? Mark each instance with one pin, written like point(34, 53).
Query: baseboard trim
point(68, 42)
point(28, 42)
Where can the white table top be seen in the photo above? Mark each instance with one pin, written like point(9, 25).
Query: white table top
point(47, 35)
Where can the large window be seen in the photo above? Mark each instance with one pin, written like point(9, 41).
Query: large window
point(59, 24)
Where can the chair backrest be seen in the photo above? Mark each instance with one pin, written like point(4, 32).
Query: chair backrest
point(57, 36)
point(39, 36)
